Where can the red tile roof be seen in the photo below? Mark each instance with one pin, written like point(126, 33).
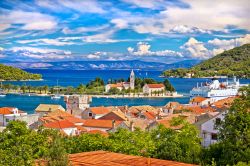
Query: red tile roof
point(227, 102)
point(104, 158)
point(198, 99)
point(149, 115)
point(8, 110)
point(99, 110)
point(59, 124)
point(155, 85)
point(100, 123)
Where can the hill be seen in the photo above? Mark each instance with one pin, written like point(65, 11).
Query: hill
point(232, 62)
point(12, 73)
point(102, 65)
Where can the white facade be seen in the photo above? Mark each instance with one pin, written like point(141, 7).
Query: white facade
point(132, 80)
point(147, 90)
point(208, 131)
point(6, 118)
point(70, 131)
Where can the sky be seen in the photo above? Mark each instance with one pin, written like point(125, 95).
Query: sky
point(164, 31)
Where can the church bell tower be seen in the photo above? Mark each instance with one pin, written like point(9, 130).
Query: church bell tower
point(132, 80)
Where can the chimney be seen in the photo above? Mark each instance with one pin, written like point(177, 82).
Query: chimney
point(132, 125)
point(113, 124)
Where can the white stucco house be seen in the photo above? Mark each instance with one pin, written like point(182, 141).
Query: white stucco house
point(8, 113)
point(151, 88)
point(208, 130)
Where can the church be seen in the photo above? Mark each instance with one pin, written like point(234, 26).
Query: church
point(123, 85)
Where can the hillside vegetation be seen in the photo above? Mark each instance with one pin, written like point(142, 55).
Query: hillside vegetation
point(232, 62)
point(12, 73)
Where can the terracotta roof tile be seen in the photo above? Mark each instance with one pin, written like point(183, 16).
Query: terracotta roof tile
point(100, 123)
point(99, 110)
point(198, 99)
point(104, 158)
point(59, 124)
point(149, 115)
point(155, 85)
point(8, 110)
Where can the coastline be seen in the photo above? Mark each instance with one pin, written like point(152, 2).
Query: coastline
point(103, 96)
point(21, 80)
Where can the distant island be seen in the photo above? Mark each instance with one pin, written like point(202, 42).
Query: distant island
point(232, 62)
point(11, 73)
point(103, 65)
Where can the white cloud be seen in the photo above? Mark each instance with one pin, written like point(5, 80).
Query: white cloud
point(200, 17)
point(40, 53)
point(86, 6)
point(84, 29)
point(194, 48)
point(96, 55)
point(152, 4)
point(220, 45)
point(30, 20)
point(119, 23)
point(4, 26)
point(143, 49)
point(55, 42)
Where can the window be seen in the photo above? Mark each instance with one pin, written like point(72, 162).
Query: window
point(7, 120)
point(217, 123)
point(214, 136)
point(90, 114)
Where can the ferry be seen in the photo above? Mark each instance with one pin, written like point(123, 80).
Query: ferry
point(217, 90)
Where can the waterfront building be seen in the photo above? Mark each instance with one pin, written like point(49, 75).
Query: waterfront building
point(153, 88)
point(8, 114)
point(77, 104)
point(123, 85)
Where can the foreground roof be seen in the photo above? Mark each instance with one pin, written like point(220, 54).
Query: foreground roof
point(105, 158)
point(198, 99)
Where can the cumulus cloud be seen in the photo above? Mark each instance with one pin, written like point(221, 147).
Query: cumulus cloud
point(196, 49)
point(143, 49)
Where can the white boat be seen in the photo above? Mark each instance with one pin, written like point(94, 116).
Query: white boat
point(2, 94)
point(56, 96)
point(217, 90)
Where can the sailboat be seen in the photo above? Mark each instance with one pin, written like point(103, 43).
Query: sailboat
point(57, 95)
point(2, 94)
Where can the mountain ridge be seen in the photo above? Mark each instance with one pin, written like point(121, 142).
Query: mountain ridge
point(102, 65)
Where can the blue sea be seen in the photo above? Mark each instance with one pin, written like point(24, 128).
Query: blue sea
point(74, 78)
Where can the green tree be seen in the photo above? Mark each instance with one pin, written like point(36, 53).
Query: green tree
point(234, 134)
point(168, 85)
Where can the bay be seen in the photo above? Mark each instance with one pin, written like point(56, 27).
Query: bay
point(75, 77)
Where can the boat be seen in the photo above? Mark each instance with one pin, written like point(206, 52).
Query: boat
point(2, 93)
point(56, 96)
point(217, 90)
